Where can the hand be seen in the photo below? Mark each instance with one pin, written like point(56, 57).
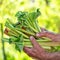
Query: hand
point(38, 52)
point(44, 33)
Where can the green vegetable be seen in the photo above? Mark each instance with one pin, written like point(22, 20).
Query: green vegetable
point(26, 26)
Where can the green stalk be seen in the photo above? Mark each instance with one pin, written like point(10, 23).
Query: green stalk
point(38, 40)
point(14, 30)
point(37, 26)
point(13, 33)
point(29, 20)
point(32, 23)
point(10, 21)
point(19, 32)
point(24, 31)
point(3, 48)
point(49, 44)
point(53, 44)
point(6, 39)
point(27, 23)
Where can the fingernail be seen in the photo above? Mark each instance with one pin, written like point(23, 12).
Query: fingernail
point(37, 34)
point(31, 38)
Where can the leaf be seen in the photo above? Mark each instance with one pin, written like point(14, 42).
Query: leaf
point(33, 15)
point(21, 16)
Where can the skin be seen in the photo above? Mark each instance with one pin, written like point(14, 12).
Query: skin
point(37, 52)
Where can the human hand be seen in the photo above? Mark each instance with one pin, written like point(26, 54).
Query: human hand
point(44, 33)
point(38, 52)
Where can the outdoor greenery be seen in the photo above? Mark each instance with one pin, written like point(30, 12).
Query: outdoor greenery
point(49, 19)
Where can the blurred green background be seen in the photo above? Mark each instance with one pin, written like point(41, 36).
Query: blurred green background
point(49, 19)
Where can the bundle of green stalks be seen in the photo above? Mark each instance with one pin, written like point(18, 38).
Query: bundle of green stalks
point(26, 26)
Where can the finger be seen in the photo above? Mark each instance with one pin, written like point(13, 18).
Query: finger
point(27, 47)
point(46, 34)
point(29, 51)
point(53, 56)
point(35, 44)
point(41, 34)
